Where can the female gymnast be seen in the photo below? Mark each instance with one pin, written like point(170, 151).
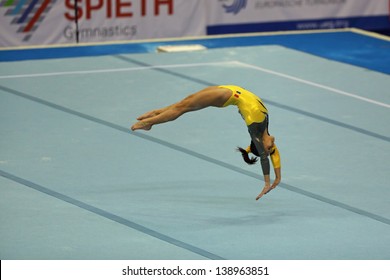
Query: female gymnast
point(252, 110)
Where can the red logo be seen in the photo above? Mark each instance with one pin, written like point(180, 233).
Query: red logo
point(116, 8)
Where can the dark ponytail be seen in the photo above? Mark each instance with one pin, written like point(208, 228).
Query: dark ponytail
point(246, 157)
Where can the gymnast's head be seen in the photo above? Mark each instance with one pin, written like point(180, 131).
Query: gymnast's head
point(268, 143)
point(269, 147)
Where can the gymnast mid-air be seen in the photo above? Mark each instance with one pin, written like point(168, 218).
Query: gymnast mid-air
point(251, 109)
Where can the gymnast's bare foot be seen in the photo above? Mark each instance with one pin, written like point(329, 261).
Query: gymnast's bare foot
point(141, 125)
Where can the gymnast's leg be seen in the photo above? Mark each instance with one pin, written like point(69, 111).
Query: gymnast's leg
point(210, 96)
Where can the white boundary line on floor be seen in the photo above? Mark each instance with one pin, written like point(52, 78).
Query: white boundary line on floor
point(83, 72)
point(338, 91)
point(238, 63)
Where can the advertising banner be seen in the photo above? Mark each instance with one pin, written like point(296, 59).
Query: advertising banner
point(235, 16)
point(39, 22)
point(43, 22)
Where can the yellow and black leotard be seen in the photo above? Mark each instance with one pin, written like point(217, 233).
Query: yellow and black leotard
point(249, 105)
point(255, 115)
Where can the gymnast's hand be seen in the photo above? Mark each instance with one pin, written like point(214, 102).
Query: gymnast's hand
point(267, 188)
point(276, 182)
